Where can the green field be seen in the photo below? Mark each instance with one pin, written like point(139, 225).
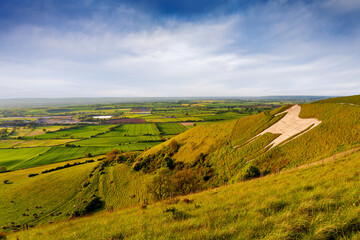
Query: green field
point(59, 154)
point(33, 143)
point(132, 130)
point(78, 132)
point(170, 128)
point(16, 158)
point(115, 141)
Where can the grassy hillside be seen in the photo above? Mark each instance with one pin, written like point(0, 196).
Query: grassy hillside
point(14, 158)
point(289, 205)
point(318, 202)
point(227, 147)
point(60, 190)
point(338, 131)
point(351, 99)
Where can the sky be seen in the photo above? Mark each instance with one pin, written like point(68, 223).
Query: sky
point(174, 48)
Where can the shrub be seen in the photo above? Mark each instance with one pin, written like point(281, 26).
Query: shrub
point(137, 166)
point(89, 207)
point(111, 156)
point(249, 172)
point(174, 146)
point(3, 169)
point(33, 174)
point(168, 162)
point(176, 214)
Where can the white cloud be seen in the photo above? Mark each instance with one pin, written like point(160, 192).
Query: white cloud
point(273, 49)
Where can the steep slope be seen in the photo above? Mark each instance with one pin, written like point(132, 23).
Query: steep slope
point(229, 147)
point(319, 202)
point(55, 195)
point(290, 125)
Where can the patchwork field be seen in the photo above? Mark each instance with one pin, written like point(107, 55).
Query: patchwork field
point(33, 143)
point(14, 158)
point(170, 128)
point(132, 130)
point(78, 132)
point(115, 141)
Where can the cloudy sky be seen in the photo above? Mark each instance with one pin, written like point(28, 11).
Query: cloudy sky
point(110, 48)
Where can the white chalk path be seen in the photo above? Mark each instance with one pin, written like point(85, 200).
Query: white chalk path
point(290, 125)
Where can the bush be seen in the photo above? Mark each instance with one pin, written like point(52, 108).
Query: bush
point(137, 166)
point(176, 214)
point(168, 162)
point(249, 172)
point(174, 146)
point(89, 207)
point(3, 169)
point(111, 156)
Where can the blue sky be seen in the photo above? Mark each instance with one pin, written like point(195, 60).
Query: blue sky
point(130, 48)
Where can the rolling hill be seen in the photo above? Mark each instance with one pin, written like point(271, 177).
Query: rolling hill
point(293, 204)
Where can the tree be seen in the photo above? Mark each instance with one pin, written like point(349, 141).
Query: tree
point(186, 181)
point(174, 146)
point(168, 162)
point(161, 184)
point(111, 156)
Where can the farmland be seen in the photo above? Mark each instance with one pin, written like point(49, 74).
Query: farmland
point(13, 158)
point(115, 141)
point(76, 132)
point(132, 130)
point(33, 144)
point(78, 161)
point(170, 128)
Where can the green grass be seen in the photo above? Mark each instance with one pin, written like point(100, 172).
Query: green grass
point(54, 192)
point(319, 202)
point(170, 128)
point(79, 132)
point(15, 158)
point(59, 191)
point(33, 143)
point(115, 141)
point(337, 132)
point(132, 130)
point(59, 154)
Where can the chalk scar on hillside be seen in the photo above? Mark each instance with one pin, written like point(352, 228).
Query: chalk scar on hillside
point(290, 125)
